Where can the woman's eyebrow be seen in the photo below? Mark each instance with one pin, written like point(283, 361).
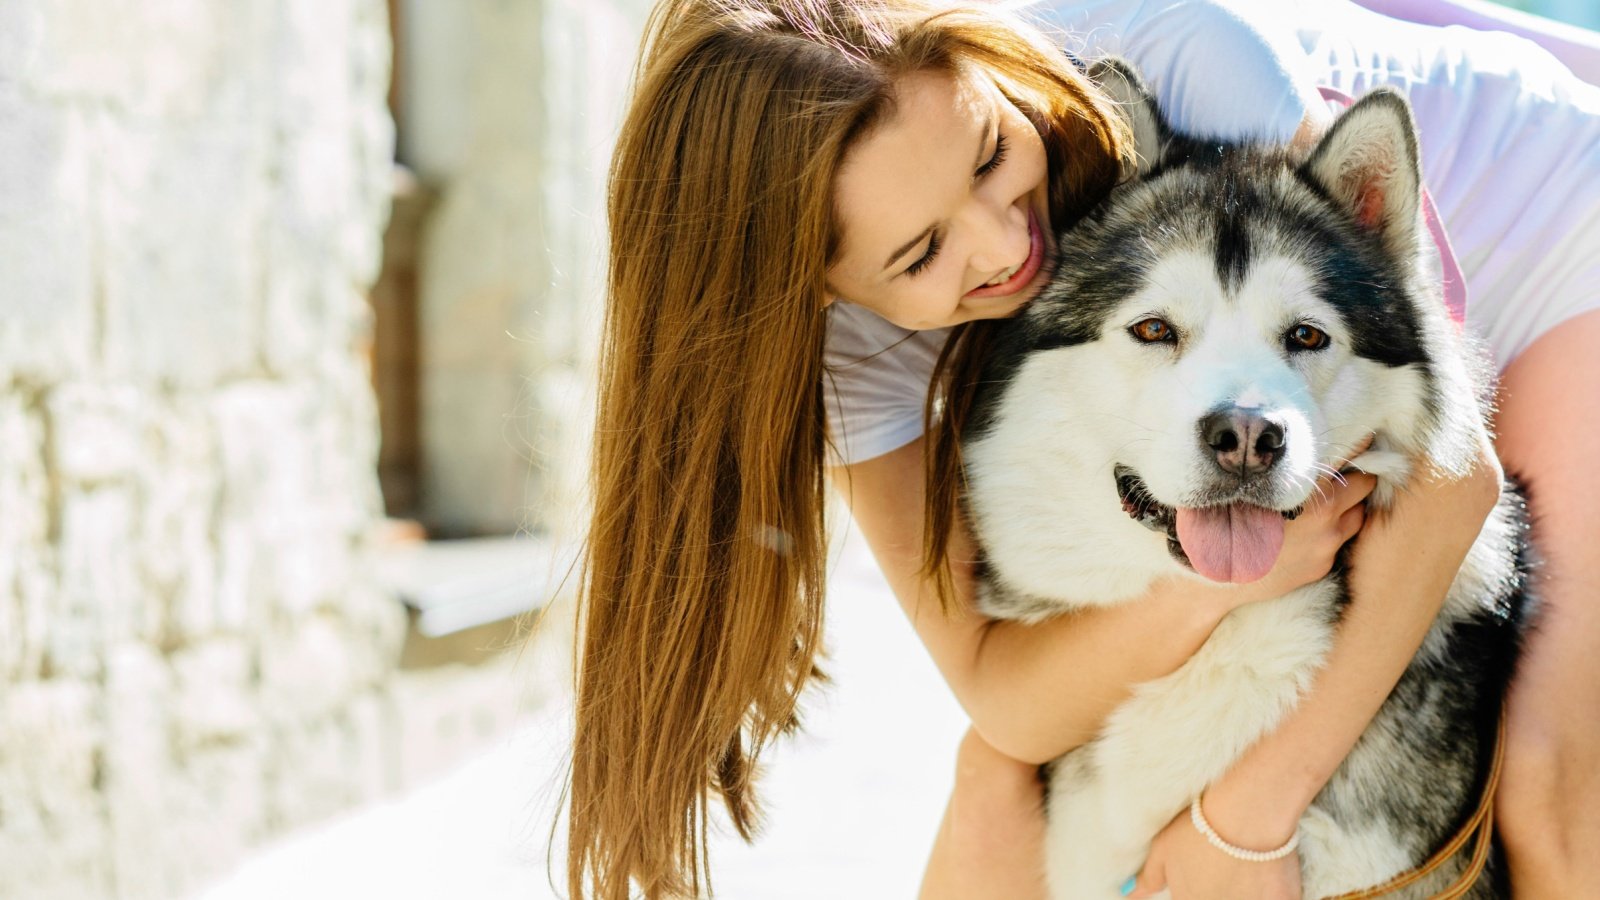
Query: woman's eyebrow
point(906, 247)
point(983, 144)
point(983, 141)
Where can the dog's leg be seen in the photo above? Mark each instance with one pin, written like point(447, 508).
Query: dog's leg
point(1093, 842)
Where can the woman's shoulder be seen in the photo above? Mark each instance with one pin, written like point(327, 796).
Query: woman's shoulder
point(875, 380)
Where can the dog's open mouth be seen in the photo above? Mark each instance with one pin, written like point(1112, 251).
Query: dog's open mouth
point(1230, 542)
point(1143, 508)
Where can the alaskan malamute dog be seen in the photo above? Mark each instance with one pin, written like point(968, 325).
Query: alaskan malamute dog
point(1228, 324)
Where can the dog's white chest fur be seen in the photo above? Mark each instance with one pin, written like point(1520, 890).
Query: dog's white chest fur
point(1177, 734)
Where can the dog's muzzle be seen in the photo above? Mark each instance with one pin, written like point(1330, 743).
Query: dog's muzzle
point(1142, 507)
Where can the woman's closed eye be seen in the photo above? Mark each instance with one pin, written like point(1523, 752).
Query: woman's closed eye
point(994, 160)
point(993, 163)
point(926, 258)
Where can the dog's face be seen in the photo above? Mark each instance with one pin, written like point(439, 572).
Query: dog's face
point(1225, 328)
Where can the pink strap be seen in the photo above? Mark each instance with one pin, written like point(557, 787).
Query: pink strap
point(1454, 283)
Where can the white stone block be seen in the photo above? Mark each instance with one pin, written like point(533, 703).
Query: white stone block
point(99, 432)
point(138, 764)
point(307, 671)
point(217, 814)
point(237, 558)
point(53, 731)
point(329, 198)
point(179, 812)
point(175, 536)
point(46, 239)
point(21, 40)
point(54, 817)
point(99, 601)
point(180, 212)
point(27, 557)
point(285, 511)
point(173, 60)
point(215, 700)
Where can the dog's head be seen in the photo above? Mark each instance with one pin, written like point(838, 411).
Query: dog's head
point(1227, 325)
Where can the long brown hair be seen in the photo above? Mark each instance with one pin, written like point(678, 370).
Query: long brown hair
point(702, 585)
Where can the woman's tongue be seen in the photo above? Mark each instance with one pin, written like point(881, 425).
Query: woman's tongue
point(1235, 543)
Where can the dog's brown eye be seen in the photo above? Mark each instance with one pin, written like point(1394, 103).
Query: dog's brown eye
point(1305, 337)
point(1153, 331)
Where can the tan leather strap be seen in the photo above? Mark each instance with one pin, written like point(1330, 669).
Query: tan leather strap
point(1481, 823)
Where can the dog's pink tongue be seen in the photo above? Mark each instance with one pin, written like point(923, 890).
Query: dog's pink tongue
point(1236, 543)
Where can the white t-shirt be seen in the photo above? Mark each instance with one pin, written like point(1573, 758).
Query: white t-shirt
point(1510, 151)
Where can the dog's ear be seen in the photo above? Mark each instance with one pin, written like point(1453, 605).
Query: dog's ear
point(1368, 163)
point(1120, 81)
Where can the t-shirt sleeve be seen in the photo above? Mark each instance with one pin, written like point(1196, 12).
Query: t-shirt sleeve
point(1232, 69)
point(875, 382)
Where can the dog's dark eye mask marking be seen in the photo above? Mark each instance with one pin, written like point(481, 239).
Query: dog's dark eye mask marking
point(1111, 253)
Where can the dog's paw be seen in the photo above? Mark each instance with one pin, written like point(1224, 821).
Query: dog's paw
point(1385, 464)
point(1391, 469)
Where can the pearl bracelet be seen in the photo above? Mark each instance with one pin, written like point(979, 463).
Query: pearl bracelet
point(1204, 827)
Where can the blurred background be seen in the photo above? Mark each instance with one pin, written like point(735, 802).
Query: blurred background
point(295, 301)
point(1584, 13)
point(298, 305)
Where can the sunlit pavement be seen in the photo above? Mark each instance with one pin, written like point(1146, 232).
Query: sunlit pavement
point(852, 803)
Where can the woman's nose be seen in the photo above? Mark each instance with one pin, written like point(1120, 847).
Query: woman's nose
point(1001, 236)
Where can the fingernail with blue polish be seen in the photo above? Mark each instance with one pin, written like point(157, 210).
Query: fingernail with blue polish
point(1127, 886)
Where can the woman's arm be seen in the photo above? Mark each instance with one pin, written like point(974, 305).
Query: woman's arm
point(1547, 809)
point(1401, 568)
point(1036, 691)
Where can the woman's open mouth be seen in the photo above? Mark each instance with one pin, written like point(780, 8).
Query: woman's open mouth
point(1023, 274)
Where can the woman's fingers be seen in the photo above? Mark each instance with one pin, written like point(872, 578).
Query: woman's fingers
point(1348, 506)
point(1350, 522)
point(1144, 885)
point(1333, 515)
point(1337, 494)
point(1355, 489)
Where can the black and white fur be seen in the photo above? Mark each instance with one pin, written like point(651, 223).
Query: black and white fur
point(1083, 440)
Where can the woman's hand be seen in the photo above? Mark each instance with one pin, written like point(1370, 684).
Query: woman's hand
point(1183, 862)
point(1431, 526)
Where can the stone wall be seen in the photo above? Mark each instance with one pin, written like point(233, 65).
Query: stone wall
point(192, 655)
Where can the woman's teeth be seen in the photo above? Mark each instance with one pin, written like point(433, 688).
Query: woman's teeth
point(1003, 277)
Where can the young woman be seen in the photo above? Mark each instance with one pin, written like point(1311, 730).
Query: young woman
point(805, 195)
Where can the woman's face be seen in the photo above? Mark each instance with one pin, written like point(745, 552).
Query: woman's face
point(943, 207)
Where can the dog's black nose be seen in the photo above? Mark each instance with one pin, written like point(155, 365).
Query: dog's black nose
point(1245, 441)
